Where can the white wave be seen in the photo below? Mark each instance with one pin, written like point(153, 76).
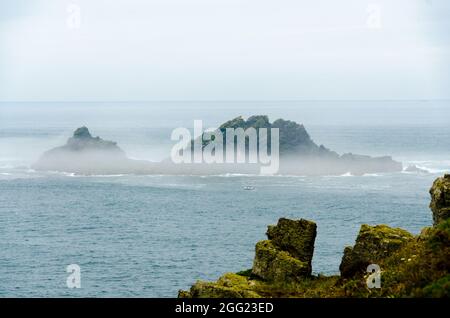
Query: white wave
point(101, 175)
point(229, 175)
point(426, 169)
point(431, 170)
point(430, 166)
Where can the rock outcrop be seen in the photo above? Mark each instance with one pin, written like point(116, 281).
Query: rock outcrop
point(288, 253)
point(229, 285)
point(85, 154)
point(82, 142)
point(411, 266)
point(440, 199)
point(299, 154)
point(295, 237)
point(373, 244)
point(274, 265)
point(283, 259)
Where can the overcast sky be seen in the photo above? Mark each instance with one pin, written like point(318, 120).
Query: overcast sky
point(97, 50)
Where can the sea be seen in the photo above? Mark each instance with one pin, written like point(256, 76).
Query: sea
point(151, 235)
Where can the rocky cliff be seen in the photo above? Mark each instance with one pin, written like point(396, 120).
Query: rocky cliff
point(411, 266)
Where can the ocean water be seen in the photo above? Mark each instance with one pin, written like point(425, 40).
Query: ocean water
point(152, 235)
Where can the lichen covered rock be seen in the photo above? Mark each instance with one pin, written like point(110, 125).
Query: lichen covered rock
point(287, 255)
point(282, 260)
point(229, 285)
point(440, 199)
point(373, 244)
point(274, 265)
point(295, 237)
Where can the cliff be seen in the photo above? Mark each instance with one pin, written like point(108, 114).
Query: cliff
point(411, 266)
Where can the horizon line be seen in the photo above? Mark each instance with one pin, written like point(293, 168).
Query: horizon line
point(228, 100)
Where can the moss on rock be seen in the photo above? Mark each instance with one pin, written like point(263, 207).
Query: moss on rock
point(229, 285)
point(410, 266)
point(420, 267)
point(440, 199)
point(274, 265)
point(295, 237)
point(372, 244)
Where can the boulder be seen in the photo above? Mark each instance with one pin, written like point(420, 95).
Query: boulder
point(287, 255)
point(295, 237)
point(440, 199)
point(373, 244)
point(274, 265)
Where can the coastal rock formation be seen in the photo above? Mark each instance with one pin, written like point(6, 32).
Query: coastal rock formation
point(440, 199)
point(229, 285)
point(284, 258)
point(372, 244)
point(295, 237)
point(82, 141)
point(294, 139)
point(274, 265)
point(411, 266)
point(298, 155)
point(288, 253)
point(85, 154)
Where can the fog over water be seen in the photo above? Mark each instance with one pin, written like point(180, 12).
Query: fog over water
point(143, 129)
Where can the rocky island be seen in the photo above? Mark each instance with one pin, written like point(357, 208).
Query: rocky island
point(411, 266)
point(299, 155)
point(86, 154)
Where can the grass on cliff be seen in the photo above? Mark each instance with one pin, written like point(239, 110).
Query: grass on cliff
point(419, 269)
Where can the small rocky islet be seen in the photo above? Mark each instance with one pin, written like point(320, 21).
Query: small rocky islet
point(411, 266)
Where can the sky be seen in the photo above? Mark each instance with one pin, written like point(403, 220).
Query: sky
point(139, 50)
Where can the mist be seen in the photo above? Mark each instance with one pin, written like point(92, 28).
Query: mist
point(138, 50)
